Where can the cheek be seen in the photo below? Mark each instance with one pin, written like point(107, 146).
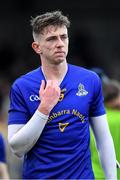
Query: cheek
point(49, 47)
point(66, 44)
point(46, 49)
point(66, 48)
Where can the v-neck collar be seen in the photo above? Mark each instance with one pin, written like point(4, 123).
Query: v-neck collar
point(63, 80)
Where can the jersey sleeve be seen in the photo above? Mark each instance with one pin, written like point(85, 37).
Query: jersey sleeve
point(2, 150)
point(18, 113)
point(97, 106)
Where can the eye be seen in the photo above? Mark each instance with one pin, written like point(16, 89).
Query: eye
point(64, 36)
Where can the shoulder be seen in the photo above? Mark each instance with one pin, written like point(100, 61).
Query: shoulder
point(81, 71)
point(26, 79)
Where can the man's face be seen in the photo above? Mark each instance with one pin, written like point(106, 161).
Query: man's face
point(53, 44)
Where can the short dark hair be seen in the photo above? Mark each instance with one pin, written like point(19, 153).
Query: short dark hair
point(55, 18)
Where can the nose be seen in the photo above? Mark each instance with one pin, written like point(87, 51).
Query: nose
point(59, 42)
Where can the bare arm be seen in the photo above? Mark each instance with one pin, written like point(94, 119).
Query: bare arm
point(23, 137)
point(105, 146)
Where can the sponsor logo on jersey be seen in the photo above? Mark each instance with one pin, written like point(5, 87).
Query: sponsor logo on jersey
point(81, 90)
point(34, 97)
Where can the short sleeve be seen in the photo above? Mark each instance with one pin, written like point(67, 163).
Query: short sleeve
point(97, 106)
point(2, 150)
point(18, 113)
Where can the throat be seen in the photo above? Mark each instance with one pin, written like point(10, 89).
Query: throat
point(55, 74)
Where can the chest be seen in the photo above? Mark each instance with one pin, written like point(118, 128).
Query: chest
point(75, 98)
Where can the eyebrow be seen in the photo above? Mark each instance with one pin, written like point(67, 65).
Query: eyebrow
point(54, 36)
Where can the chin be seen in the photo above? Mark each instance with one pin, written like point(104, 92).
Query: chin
point(60, 60)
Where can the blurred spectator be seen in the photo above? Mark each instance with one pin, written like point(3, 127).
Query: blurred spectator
point(14, 164)
point(3, 163)
point(4, 93)
point(111, 92)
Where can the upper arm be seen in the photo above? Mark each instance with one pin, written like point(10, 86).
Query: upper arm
point(18, 112)
point(97, 107)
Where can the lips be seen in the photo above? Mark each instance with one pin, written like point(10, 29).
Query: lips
point(60, 52)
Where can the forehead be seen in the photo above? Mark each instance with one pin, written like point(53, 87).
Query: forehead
point(54, 30)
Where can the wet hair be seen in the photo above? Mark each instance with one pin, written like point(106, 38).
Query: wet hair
point(55, 18)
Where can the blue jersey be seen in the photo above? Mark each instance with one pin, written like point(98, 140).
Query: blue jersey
point(62, 151)
point(2, 150)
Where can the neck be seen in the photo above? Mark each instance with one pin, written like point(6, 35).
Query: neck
point(55, 72)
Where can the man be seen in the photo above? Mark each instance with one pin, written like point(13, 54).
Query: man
point(50, 125)
point(3, 167)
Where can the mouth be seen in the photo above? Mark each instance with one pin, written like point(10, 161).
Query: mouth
point(62, 53)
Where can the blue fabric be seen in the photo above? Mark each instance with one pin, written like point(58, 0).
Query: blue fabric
point(2, 150)
point(62, 151)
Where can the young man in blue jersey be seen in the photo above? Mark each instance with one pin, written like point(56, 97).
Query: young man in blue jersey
point(52, 107)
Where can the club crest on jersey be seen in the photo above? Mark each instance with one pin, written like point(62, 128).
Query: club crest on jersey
point(81, 90)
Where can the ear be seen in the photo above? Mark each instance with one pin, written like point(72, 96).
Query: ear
point(36, 47)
